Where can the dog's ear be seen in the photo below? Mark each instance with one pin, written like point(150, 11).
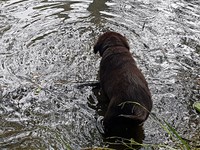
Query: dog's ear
point(97, 47)
point(100, 46)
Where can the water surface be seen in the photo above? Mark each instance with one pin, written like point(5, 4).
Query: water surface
point(46, 53)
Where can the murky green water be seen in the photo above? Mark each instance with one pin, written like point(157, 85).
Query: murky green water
point(46, 52)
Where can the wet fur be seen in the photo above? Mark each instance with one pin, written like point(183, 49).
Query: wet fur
point(122, 82)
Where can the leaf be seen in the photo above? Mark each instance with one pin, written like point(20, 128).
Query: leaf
point(196, 106)
point(38, 90)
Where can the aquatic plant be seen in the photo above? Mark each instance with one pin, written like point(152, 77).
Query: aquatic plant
point(179, 142)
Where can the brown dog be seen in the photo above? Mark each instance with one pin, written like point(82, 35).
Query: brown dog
point(122, 82)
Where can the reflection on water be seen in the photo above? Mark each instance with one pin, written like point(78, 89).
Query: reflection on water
point(46, 52)
point(95, 8)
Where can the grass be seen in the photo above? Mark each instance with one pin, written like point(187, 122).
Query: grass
point(179, 142)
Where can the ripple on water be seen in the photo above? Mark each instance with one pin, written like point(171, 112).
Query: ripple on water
point(46, 51)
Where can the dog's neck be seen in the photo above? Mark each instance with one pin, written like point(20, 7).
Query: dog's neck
point(115, 50)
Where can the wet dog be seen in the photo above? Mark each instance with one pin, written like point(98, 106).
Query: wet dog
point(122, 82)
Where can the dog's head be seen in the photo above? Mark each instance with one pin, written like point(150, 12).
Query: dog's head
point(110, 39)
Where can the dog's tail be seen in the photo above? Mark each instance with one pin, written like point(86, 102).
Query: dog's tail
point(135, 119)
point(134, 111)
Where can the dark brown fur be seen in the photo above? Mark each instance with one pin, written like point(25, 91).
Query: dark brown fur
point(122, 82)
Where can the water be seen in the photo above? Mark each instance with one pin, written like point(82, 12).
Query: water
point(46, 53)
